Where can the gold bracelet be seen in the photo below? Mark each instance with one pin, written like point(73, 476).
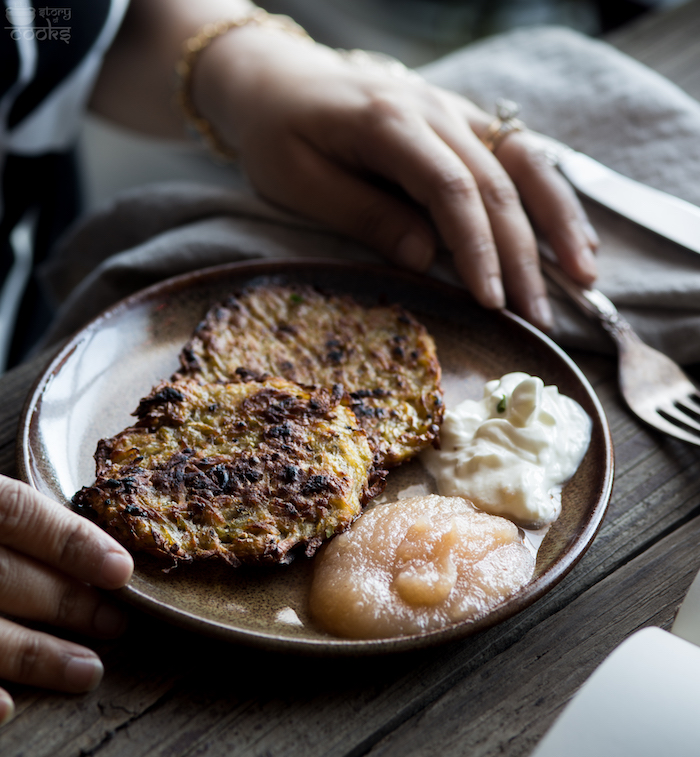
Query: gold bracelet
point(193, 48)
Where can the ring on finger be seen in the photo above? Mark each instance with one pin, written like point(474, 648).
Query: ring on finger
point(505, 123)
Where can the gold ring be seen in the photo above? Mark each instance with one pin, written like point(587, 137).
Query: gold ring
point(504, 124)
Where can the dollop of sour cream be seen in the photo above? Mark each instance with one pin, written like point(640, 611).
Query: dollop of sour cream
point(512, 452)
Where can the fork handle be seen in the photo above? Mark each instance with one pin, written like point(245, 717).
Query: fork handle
point(593, 303)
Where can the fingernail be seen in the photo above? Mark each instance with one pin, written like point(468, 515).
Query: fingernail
point(116, 570)
point(591, 234)
point(83, 673)
point(414, 252)
point(542, 313)
point(7, 709)
point(494, 292)
point(109, 621)
point(588, 262)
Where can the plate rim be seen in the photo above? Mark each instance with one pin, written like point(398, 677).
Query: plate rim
point(331, 646)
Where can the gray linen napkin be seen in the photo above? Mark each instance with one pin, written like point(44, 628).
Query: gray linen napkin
point(570, 87)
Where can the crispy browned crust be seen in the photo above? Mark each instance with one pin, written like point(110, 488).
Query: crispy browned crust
point(240, 472)
point(382, 357)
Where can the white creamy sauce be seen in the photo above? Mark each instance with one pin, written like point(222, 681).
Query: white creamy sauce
point(511, 452)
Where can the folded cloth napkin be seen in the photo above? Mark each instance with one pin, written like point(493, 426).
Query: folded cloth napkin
point(577, 90)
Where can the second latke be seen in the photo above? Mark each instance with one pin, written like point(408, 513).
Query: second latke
point(382, 357)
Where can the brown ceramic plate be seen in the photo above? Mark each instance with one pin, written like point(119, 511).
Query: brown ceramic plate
point(95, 382)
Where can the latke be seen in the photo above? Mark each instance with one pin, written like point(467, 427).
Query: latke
point(384, 359)
point(239, 472)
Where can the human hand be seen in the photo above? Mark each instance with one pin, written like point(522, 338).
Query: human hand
point(395, 163)
point(48, 556)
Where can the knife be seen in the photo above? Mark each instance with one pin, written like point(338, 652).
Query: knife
point(657, 211)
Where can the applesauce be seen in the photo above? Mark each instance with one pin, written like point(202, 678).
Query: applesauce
point(417, 565)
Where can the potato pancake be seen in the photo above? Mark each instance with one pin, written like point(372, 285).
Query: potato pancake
point(242, 472)
point(384, 359)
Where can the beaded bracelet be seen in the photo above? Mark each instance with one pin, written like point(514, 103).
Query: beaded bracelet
point(192, 49)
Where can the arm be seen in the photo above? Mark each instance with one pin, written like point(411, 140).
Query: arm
point(394, 162)
point(50, 560)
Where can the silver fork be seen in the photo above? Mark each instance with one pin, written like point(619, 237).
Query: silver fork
point(654, 387)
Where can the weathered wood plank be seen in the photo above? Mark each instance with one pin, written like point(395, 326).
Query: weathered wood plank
point(668, 43)
point(320, 706)
point(529, 683)
point(364, 700)
point(55, 724)
point(170, 692)
point(14, 387)
point(340, 709)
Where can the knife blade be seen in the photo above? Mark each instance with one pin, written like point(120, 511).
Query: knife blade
point(657, 211)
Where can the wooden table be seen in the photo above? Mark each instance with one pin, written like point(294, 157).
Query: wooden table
point(169, 692)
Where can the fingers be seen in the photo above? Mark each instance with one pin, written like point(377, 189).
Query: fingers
point(324, 157)
point(37, 659)
point(36, 526)
point(42, 589)
point(475, 207)
point(512, 232)
point(7, 707)
point(320, 188)
point(477, 211)
point(31, 590)
point(552, 205)
point(406, 150)
point(522, 179)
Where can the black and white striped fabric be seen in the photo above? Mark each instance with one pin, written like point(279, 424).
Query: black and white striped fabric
point(50, 56)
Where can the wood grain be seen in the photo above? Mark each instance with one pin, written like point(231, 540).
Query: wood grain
point(530, 682)
point(265, 704)
point(169, 692)
point(667, 42)
point(15, 386)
